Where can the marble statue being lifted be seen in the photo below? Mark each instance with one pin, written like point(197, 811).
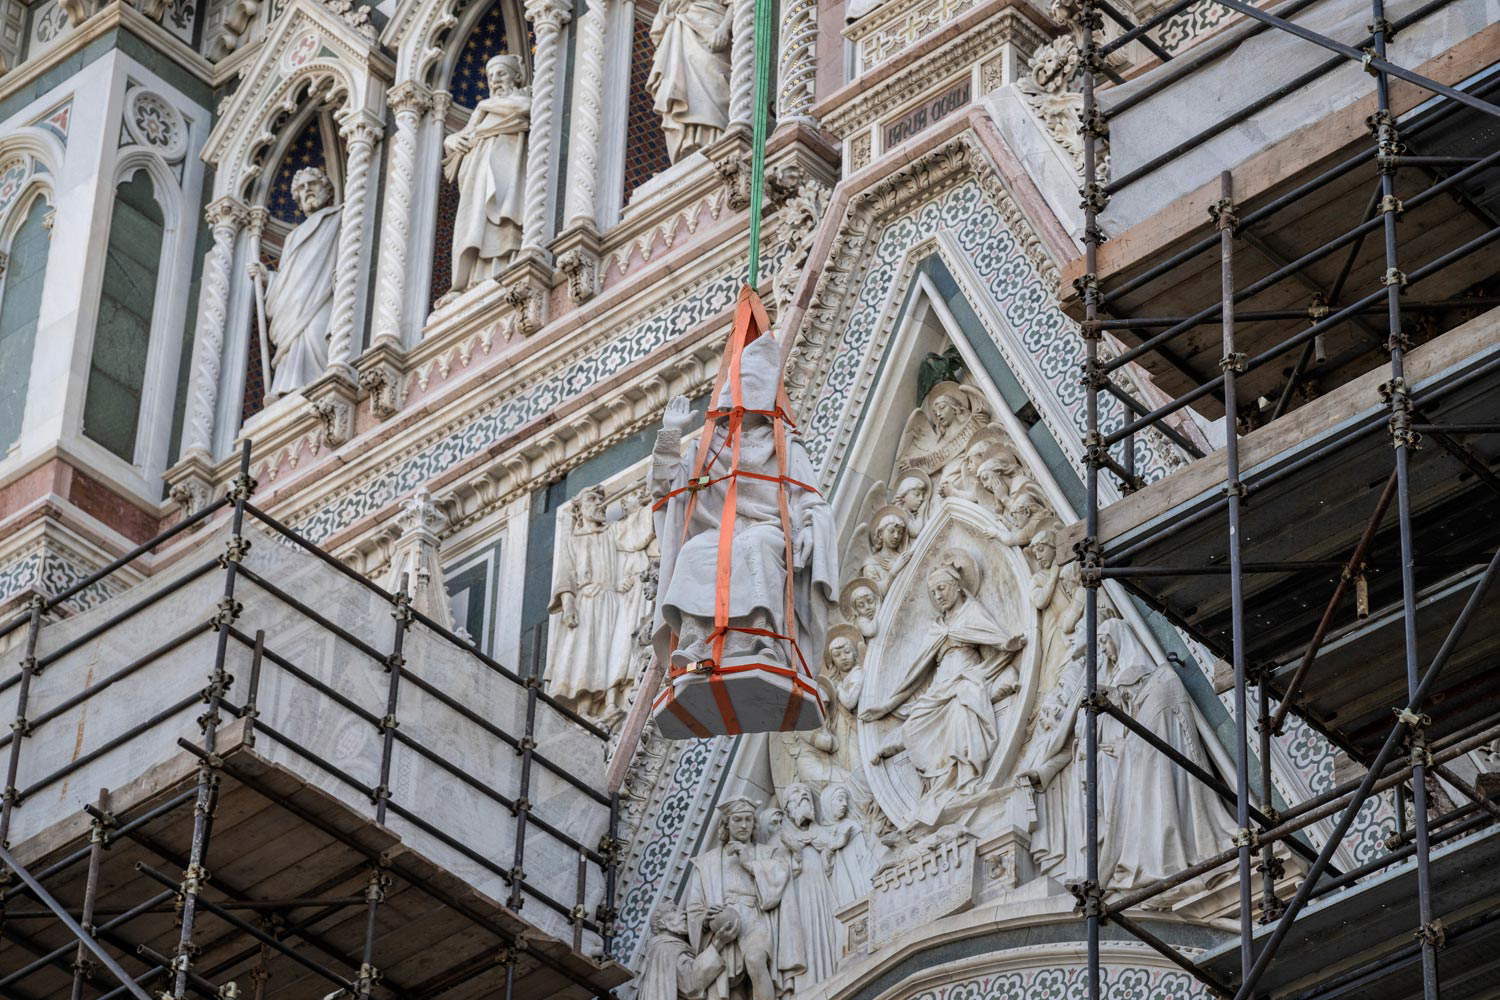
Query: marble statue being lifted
point(299, 293)
point(734, 901)
point(487, 159)
point(947, 697)
point(689, 79)
point(598, 600)
point(689, 552)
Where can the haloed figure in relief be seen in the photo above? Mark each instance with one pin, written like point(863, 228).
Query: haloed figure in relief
point(689, 78)
point(299, 293)
point(487, 159)
point(946, 700)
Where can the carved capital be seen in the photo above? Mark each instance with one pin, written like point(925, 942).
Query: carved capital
point(548, 15)
point(257, 220)
point(441, 102)
point(227, 212)
point(409, 96)
point(359, 128)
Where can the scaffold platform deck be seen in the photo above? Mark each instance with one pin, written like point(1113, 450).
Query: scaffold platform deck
point(1298, 535)
point(1358, 944)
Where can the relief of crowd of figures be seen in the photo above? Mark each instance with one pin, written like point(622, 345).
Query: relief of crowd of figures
point(953, 679)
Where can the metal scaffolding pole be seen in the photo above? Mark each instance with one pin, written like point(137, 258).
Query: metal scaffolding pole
point(195, 876)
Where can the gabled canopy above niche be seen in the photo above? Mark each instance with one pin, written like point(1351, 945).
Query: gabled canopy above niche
point(314, 52)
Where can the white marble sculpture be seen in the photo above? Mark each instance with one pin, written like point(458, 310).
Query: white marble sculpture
point(739, 884)
point(598, 601)
point(810, 894)
point(299, 293)
point(670, 968)
point(416, 565)
point(689, 551)
point(847, 847)
point(1052, 771)
point(689, 79)
point(487, 159)
point(947, 697)
point(1149, 792)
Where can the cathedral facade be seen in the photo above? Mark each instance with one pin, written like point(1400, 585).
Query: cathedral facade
point(444, 263)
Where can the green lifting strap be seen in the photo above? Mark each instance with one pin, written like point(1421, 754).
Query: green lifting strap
point(763, 48)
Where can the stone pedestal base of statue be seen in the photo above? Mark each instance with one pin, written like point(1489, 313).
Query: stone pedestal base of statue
point(692, 706)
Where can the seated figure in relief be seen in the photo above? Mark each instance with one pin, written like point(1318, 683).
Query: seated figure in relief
point(487, 159)
point(299, 293)
point(689, 79)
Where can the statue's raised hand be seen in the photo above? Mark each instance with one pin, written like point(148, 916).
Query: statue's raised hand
point(679, 414)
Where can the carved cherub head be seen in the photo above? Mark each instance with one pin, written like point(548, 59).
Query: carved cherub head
point(844, 648)
point(911, 493)
point(889, 531)
point(860, 598)
point(504, 74)
point(311, 189)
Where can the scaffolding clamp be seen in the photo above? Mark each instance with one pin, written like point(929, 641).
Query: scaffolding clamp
point(228, 611)
point(1390, 203)
point(193, 880)
point(403, 612)
point(1233, 362)
point(1413, 720)
point(235, 550)
point(1246, 837)
point(610, 848)
point(241, 487)
point(393, 661)
point(1090, 898)
point(506, 955)
point(1094, 123)
point(1236, 488)
point(376, 886)
point(389, 723)
point(1394, 276)
point(1432, 933)
point(364, 982)
point(21, 726)
point(229, 991)
point(1093, 197)
point(1090, 562)
point(1087, 287)
point(1382, 26)
point(1223, 215)
point(1271, 865)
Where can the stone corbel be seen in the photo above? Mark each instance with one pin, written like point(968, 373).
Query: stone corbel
point(190, 483)
point(578, 253)
point(730, 156)
point(382, 378)
point(333, 398)
point(526, 287)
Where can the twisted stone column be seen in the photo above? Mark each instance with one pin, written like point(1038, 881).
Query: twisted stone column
point(410, 102)
point(742, 63)
point(588, 113)
point(349, 271)
point(547, 17)
point(798, 64)
point(227, 216)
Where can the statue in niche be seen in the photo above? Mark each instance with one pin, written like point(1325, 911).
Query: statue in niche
point(689, 80)
point(487, 160)
point(299, 293)
point(846, 847)
point(739, 884)
point(947, 698)
point(598, 600)
point(670, 970)
point(1147, 791)
point(690, 551)
point(809, 897)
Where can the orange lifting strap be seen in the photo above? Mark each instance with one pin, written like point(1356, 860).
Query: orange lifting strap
point(750, 322)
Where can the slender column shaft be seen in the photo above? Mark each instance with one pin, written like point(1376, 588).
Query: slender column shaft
point(410, 102)
point(798, 64)
point(349, 272)
point(547, 17)
point(742, 63)
point(581, 196)
point(226, 216)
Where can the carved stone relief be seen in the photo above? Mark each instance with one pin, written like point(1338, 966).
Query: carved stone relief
point(603, 557)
